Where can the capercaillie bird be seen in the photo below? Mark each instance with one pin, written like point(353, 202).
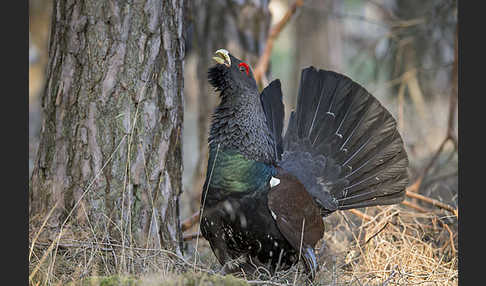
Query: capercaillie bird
point(265, 195)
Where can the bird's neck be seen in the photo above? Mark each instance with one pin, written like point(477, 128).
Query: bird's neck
point(239, 124)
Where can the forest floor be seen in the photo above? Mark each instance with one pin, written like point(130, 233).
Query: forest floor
point(398, 246)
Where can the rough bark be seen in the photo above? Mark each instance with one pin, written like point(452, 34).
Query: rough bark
point(110, 142)
point(241, 27)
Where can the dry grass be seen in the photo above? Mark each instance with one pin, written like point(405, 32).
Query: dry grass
point(398, 247)
point(411, 249)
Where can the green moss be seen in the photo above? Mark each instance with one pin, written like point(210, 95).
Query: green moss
point(185, 279)
point(203, 279)
point(114, 280)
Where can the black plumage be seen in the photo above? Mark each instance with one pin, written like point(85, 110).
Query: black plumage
point(265, 195)
point(274, 110)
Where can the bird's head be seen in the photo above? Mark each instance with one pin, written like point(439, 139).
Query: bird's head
point(230, 73)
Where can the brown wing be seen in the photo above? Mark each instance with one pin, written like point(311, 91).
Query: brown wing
point(293, 208)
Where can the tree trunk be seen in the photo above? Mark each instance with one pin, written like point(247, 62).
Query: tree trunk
point(242, 28)
point(425, 46)
point(317, 41)
point(110, 145)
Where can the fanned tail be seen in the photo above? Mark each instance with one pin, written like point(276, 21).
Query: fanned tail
point(343, 145)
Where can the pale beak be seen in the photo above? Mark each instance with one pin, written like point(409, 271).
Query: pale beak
point(222, 57)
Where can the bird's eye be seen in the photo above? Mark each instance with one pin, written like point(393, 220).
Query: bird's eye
point(244, 68)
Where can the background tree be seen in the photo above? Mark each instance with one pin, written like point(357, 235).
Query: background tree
point(109, 155)
point(317, 41)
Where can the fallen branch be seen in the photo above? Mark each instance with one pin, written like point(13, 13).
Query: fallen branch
point(188, 223)
point(191, 236)
point(262, 64)
point(360, 214)
point(432, 201)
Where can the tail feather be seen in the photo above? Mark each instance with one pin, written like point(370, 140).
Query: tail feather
point(273, 108)
point(357, 155)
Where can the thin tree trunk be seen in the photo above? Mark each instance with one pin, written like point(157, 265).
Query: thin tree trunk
point(110, 142)
point(242, 28)
point(317, 41)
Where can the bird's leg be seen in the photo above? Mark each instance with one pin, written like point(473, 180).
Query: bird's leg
point(310, 261)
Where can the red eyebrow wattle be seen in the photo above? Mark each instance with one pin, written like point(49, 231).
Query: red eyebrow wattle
point(246, 67)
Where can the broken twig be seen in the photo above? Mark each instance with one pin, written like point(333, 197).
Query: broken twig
point(188, 223)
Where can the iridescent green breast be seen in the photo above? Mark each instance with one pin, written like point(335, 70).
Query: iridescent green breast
point(232, 172)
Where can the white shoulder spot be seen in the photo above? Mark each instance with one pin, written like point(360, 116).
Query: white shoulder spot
point(274, 182)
